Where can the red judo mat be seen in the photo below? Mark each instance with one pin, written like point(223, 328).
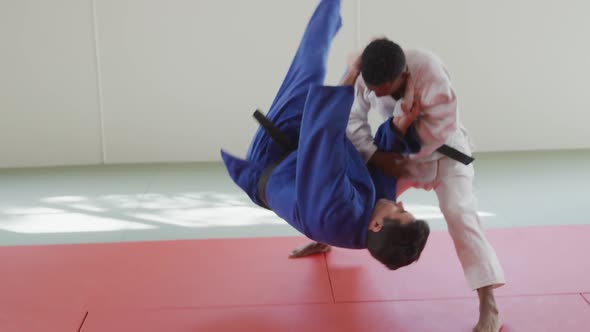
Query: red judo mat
point(41, 320)
point(522, 314)
point(232, 284)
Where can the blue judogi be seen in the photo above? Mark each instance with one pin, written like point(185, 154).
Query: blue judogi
point(323, 188)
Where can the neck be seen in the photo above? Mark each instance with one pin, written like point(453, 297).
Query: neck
point(399, 93)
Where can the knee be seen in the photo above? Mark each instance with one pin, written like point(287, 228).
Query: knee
point(452, 213)
point(456, 199)
point(459, 213)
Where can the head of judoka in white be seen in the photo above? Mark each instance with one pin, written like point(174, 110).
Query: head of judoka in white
point(395, 237)
point(384, 69)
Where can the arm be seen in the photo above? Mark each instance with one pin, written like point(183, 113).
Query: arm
point(360, 134)
point(439, 109)
point(396, 136)
point(358, 129)
point(401, 123)
point(314, 247)
point(350, 76)
point(323, 189)
point(393, 144)
point(389, 138)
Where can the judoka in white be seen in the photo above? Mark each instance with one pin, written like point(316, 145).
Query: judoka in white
point(391, 81)
point(425, 79)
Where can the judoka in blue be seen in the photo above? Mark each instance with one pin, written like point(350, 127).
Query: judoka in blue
point(323, 187)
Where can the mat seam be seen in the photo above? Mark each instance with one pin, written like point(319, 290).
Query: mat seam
point(83, 321)
point(330, 279)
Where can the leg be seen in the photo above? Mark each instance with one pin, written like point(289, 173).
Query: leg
point(308, 67)
point(309, 64)
point(478, 259)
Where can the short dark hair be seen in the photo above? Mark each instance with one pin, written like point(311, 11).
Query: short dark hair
point(397, 245)
point(382, 61)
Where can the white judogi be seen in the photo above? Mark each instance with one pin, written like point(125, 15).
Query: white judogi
point(452, 181)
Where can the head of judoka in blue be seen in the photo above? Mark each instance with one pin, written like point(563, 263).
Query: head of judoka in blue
point(395, 238)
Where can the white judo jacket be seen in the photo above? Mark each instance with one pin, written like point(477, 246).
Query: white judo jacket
point(437, 124)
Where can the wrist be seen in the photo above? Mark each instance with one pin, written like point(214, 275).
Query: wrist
point(350, 76)
point(400, 125)
point(375, 158)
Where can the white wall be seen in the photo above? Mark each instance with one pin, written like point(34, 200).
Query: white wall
point(520, 67)
point(182, 79)
point(48, 89)
point(119, 81)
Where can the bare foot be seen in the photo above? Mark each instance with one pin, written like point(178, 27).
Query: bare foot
point(489, 318)
point(309, 249)
point(488, 323)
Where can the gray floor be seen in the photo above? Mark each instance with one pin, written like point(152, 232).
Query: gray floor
point(198, 200)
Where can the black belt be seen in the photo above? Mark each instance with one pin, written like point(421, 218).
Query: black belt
point(274, 132)
point(263, 180)
point(281, 140)
point(455, 154)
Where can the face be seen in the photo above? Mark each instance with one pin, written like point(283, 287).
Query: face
point(391, 210)
point(390, 87)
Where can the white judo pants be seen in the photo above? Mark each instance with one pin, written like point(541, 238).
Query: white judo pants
point(453, 184)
